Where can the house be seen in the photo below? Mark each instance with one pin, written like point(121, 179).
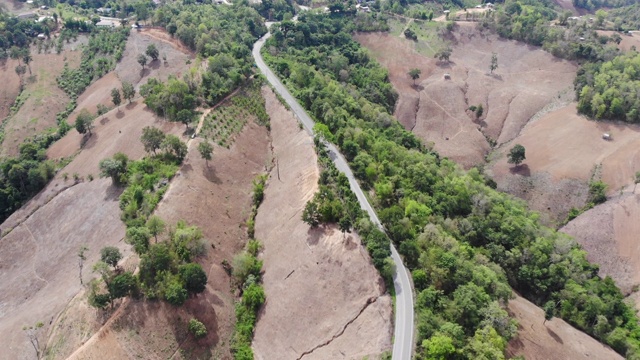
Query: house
point(42, 36)
point(44, 7)
point(447, 76)
point(606, 136)
point(488, 5)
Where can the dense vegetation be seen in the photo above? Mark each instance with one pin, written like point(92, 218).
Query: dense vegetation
point(530, 21)
point(611, 89)
point(466, 244)
point(596, 4)
point(222, 34)
point(629, 16)
point(17, 33)
point(167, 267)
point(99, 56)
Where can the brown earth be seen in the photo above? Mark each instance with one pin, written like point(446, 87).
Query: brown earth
point(14, 6)
point(526, 81)
point(609, 234)
point(39, 258)
point(217, 198)
point(628, 40)
point(325, 300)
point(45, 99)
point(11, 86)
point(176, 65)
point(563, 151)
point(554, 339)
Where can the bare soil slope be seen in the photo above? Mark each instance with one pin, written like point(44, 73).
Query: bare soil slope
point(325, 300)
point(177, 56)
point(553, 340)
point(11, 86)
point(217, 198)
point(526, 81)
point(39, 258)
point(563, 150)
point(609, 234)
point(45, 99)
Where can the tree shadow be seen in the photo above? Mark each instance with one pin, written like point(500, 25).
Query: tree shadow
point(186, 168)
point(314, 234)
point(104, 120)
point(522, 169)
point(555, 336)
point(88, 141)
point(131, 105)
point(496, 76)
point(445, 64)
point(155, 64)
point(350, 243)
point(113, 192)
point(119, 114)
point(209, 172)
point(144, 72)
point(479, 122)
point(417, 87)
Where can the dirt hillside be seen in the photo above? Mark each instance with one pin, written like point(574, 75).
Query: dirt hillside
point(527, 80)
point(216, 197)
point(563, 150)
point(176, 55)
point(333, 316)
point(609, 234)
point(44, 98)
point(554, 339)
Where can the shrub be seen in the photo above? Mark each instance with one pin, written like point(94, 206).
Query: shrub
point(197, 328)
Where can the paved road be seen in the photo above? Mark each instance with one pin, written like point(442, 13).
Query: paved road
point(403, 334)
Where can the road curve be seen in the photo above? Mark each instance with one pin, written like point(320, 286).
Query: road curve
point(403, 333)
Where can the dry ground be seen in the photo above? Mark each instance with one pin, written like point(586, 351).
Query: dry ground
point(562, 150)
point(45, 99)
point(14, 6)
point(609, 234)
point(628, 40)
point(526, 81)
point(553, 340)
point(176, 65)
point(217, 198)
point(39, 255)
point(11, 86)
point(325, 300)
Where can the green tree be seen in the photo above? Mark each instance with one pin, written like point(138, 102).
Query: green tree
point(81, 259)
point(439, 347)
point(597, 192)
point(27, 58)
point(122, 285)
point(549, 311)
point(601, 15)
point(193, 277)
point(414, 74)
point(115, 168)
point(494, 62)
point(115, 97)
point(110, 255)
point(185, 116)
point(345, 225)
point(175, 147)
point(152, 52)
point(152, 138)
point(175, 293)
point(138, 237)
point(142, 60)
point(197, 328)
point(206, 150)
point(156, 226)
point(479, 111)
point(443, 55)
point(128, 91)
point(253, 297)
point(84, 122)
point(516, 155)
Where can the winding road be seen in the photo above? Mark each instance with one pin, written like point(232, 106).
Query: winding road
point(403, 333)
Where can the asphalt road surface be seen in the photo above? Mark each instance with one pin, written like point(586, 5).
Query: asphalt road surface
point(403, 333)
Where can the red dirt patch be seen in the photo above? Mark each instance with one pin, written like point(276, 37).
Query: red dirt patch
point(553, 340)
point(563, 149)
point(527, 80)
point(299, 315)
